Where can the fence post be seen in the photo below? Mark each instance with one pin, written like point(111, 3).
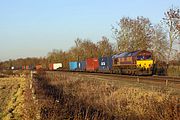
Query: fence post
point(166, 82)
point(138, 79)
point(30, 85)
point(31, 74)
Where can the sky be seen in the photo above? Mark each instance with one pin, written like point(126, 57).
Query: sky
point(32, 28)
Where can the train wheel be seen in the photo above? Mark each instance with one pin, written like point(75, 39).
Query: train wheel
point(130, 72)
point(137, 73)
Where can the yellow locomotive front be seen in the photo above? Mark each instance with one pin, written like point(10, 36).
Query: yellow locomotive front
point(146, 64)
point(145, 61)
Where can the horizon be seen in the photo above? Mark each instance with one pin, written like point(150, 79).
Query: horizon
point(34, 28)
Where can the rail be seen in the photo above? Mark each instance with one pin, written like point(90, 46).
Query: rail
point(165, 79)
point(160, 79)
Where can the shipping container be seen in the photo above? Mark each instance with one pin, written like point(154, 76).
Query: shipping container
point(55, 66)
point(82, 66)
point(27, 67)
point(50, 66)
point(38, 67)
point(17, 67)
point(31, 67)
point(23, 67)
point(73, 66)
point(12, 68)
point(105, 64)
point(92, 64)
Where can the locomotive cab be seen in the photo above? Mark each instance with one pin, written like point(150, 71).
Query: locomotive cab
point(144, 61)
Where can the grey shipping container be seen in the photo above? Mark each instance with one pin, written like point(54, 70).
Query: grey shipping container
point(82, 66)
point(105, 64)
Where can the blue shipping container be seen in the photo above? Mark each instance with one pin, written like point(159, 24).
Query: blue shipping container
point(73, 65)
point(105, 63)
point(82, 65)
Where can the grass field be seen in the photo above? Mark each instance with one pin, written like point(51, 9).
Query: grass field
point(72, 96)
point(12, 97)
point(174, 71)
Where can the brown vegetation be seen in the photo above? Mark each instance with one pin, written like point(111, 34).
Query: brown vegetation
point(71, 96)
point(12, 97)
point(16, 100)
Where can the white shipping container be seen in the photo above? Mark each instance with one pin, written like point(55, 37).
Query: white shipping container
point(57, 65)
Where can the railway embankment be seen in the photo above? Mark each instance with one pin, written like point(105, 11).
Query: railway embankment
point(64, 95)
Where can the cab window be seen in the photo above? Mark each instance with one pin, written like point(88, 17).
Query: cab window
point(148, 57)
point(144, 57)
point(140, 57)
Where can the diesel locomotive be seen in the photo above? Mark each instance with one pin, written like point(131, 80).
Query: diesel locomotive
point(135, 63)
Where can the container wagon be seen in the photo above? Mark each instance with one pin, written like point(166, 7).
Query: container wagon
point(55, 66)
point(81, 66)
point(105, 64)
point(38, 67)
point(92, 64)
point(73, 66)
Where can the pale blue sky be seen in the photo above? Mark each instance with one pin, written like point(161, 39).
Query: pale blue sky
point(34, 27)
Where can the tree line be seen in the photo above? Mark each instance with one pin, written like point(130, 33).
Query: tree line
point(131, 34)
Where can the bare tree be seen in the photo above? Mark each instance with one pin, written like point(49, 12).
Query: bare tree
point(172, 22)
point(88, 49)
point(159, 43)
point(55, 56)
point(83, 49)
point(78, 42)
point(133, 34)
point(105, 48)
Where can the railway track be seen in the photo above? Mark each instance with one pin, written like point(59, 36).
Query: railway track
point(162, 79)
point(165, 80)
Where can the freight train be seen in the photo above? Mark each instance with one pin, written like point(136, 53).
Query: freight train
point(133, 63)
point(138, 62)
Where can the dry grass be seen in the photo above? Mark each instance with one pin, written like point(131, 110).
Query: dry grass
point(12, 97)
point(174, 71)
point(73, 96)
